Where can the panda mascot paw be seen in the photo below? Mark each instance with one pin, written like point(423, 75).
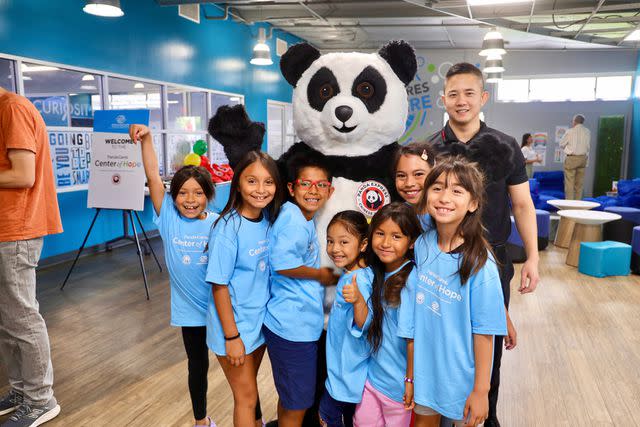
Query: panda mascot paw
point(237, 134)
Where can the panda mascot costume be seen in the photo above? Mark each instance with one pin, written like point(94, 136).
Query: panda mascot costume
point(348, 109)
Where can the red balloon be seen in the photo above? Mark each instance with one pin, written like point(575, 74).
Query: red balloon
point(204, 161)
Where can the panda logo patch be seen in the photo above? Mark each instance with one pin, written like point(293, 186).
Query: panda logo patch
point(371, 196)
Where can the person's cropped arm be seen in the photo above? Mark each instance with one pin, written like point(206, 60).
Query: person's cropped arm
point(22, 173)
point(235, 347)
point(525, 217)
point(323, 275)
point(476, 408)
point(150, 161)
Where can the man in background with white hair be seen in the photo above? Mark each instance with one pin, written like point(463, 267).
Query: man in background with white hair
point(575, 143)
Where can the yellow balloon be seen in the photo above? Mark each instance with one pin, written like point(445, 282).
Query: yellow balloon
point(192, 159)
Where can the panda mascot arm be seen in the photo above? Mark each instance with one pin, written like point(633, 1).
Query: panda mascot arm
point(237, 134)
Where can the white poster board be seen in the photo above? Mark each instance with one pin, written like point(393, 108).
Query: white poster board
point(116, 178)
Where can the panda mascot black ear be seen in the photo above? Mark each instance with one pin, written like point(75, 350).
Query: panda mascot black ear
point(296, 60)
point(232, 127)
point(402, 59)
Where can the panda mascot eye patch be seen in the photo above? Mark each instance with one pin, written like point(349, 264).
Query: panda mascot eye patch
point(370, 88)
point(322, 87)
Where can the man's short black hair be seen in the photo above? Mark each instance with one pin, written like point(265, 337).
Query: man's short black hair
point(579, 118)
point(464, 68)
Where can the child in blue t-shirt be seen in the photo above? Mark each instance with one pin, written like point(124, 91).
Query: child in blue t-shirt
point(347, 350)
point(295, 317)
point(392, 233)
point(455, 304)
point(184, 223)
point(411, 167)
point(239, 273)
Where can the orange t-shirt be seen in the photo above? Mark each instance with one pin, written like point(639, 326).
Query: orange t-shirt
point(26, 213)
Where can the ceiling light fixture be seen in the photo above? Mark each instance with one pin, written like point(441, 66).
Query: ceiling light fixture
point(88, 78)
point(106, 8)
point(88, 87)
point(493, 44)
point(493, 66)
point(261, 51)
point(495, 2)
point(494, 77)
point(138, 86)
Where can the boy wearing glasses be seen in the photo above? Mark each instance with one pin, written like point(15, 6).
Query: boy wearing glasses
point(295, 317)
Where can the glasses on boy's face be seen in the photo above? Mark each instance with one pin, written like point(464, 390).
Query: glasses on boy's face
point(306, 184)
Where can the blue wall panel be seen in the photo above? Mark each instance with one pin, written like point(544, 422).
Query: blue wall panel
point(149, 41)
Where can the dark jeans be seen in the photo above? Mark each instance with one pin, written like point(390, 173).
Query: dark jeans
point(505, 267)
point(311, 418)
point(335, 413)
point(195, 344)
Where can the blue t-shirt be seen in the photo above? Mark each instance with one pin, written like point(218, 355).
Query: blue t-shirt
point(238, 258)
point(388, 366)
point(184, 242)
point(347, 347)
point(425, 221)
point(442, 316)
point(294, 311)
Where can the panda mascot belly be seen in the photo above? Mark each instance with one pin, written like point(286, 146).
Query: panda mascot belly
point(350, 108)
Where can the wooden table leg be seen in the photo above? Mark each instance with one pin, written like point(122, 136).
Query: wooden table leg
point(565, 231)
point(582, 233)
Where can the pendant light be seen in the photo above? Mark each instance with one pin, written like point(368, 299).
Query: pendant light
point(493, 43)
point(261, 51)
point(106, 8)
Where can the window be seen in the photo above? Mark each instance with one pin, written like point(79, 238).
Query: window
point(563, 89)
point(513, 90)
point(127, 94)
point(186, 110)
point(613, 88)
point(64, 98)
point(7, 75)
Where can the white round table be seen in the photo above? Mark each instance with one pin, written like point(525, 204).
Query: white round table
point(588, 228)
point(565, 228)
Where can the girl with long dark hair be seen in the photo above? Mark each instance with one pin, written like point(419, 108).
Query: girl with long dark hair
point(393, 231)
point(456, 305)
point(238, 271)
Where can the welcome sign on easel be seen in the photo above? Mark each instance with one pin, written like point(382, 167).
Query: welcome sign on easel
point(116, 179)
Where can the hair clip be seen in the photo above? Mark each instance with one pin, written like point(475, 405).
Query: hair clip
point(424, 156)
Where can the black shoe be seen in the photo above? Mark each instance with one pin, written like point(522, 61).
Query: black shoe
point(491, 422)
point(273, 423)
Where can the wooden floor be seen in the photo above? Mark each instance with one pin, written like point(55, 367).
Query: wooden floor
point(118, 363)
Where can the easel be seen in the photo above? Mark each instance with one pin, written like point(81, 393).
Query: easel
point(125, 236)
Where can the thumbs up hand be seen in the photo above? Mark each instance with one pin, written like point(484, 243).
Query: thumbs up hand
point(351, 293)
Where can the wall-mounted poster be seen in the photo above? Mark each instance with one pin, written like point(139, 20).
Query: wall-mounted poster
point(116, 171)
point(540, 140)
point(70, 155)
point(560, 131)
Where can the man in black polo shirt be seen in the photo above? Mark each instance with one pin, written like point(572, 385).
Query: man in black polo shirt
point(501, 160)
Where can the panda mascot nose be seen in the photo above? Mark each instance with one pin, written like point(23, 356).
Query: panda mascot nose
point(344, 113)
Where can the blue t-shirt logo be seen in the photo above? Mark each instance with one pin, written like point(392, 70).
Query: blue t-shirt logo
point(420, 298)
point(204, 259)
point(262, 265)
point(186, 260)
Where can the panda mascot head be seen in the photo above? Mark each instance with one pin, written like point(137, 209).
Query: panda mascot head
point(349, 104)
